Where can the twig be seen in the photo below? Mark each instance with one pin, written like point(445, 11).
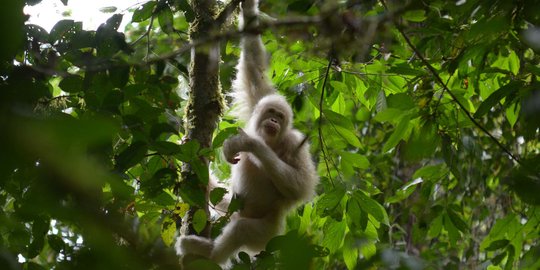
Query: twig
point(321, 101)
point(227, 35)
point(147, 33)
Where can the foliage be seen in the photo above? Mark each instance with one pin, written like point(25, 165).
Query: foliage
point(422, 116)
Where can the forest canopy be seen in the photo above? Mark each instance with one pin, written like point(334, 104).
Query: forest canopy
point(423, 119)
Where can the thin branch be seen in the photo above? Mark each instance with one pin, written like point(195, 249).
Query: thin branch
point(321, 102)
point(147, 33)
point(227, 35)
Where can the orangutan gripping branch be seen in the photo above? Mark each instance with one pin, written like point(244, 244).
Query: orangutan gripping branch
point(272, 171)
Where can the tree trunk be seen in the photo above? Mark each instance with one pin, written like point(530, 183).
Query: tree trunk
point(205, 104)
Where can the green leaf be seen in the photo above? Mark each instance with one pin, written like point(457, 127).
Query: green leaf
point(35, 248)
point(354, 159)
point(354, 214)
point(164, 199)
point(33, 266)
point(166, 20)
point(165, 148)
point(201, 170)
point(453, 232)
point(343, 126)
point(372, 207)
point(114, 21)
point(350, 251)
point(112, 101)
point(181, 209)
point(334, 232)
point(72, 84)
point(56, 242)
point(405, 191)
point(120, 189)
point(190, 151)
point(110, 9)
point(329, 200)
point(188, 11)
point(119, 76)
point(401, 101)
point(388, 115)
point(338, 119)
point(530, 259)
point(498, 259)
point(168, 231)
point(216, 195)
point(498, 244)
point(300, 6)
point(511, 256)
point(40, 227)
point(131, 156)
point(457, 220)
point(161, 128)
point(415, 15)
point(199, 220)
point(236, 204)
point(144, 12)
point(512, 113)
point(503, 228)
point(450, 156)
point(60, 29)
point(496, 97)
point(192, 193)
point(431, 172)
point(37, 33)
point(395, 84)
point(422, 143)
point(223, 135)
point(399, 133)
point(436, 227)
point(349, 136)
point(162, 179)
point(401, 69)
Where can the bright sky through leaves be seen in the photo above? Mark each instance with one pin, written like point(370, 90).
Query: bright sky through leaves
point(91, 13)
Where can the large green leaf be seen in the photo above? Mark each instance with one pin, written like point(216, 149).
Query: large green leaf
point(334, 234)
point(496, 97)
point(186, 7)
point(132, 155)
point(400, 132)
point(144, 12)
point(72, 84)
point(168, 231)
point(371, 207)
point(166, 19)
point(328, 201)
point(60, 30)
point(199, 220)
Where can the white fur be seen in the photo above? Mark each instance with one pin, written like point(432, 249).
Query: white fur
point(274, 173)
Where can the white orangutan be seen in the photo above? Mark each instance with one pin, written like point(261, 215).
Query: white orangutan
point(272, 170)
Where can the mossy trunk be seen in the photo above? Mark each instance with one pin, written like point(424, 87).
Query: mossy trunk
point(205, 104)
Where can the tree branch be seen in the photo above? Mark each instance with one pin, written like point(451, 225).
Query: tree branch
point(321, 101)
